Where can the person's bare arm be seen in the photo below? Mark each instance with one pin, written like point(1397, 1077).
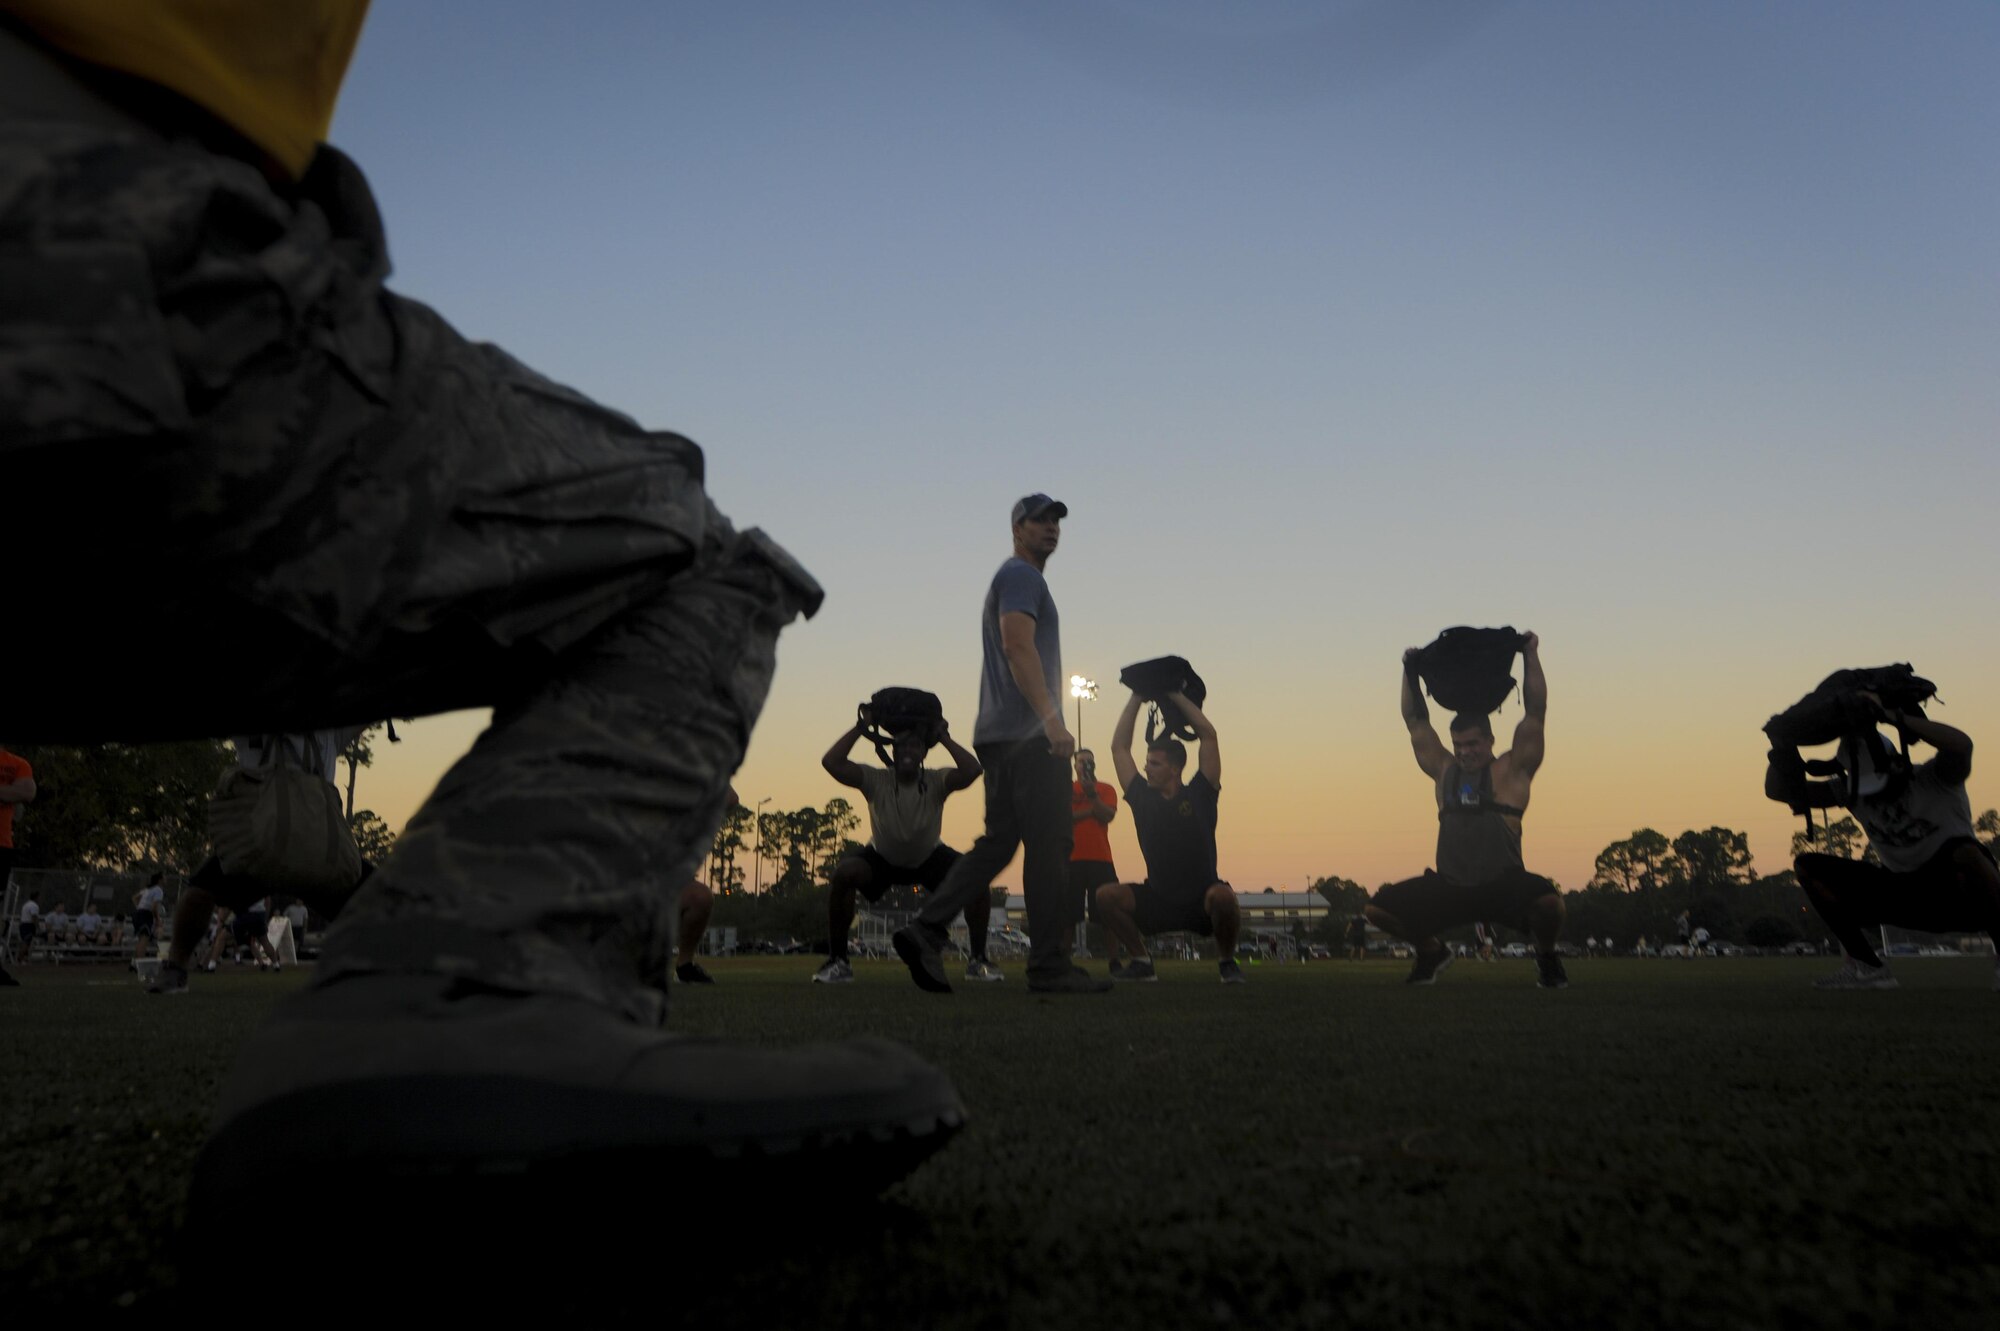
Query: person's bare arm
point(968, 769)
point(1954, 746)
point(1121, 743)
point(1210, 762)
point(836, 762)
point(1526, 755)
point(1431, 753)
point(18, 792)
point(1024, 662)
point(1096, 808)
point(1785, 781)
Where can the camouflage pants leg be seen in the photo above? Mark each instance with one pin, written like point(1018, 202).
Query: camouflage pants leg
point(323, 507)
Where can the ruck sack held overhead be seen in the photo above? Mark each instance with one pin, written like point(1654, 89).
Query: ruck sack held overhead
point(1153, 681)
point(900, 711)
point(1836, 710)
point(1468, 669)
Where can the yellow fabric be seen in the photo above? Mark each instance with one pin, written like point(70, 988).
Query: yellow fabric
point(270, 68)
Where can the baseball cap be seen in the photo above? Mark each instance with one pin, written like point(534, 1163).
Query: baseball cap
point(1037, 506)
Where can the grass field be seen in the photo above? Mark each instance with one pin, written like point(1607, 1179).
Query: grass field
point(1707, 1143)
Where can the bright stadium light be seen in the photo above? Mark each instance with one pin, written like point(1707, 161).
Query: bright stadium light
point(1082, 690)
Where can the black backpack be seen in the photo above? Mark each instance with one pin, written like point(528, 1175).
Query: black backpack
point(1835, 710)
point(900, 711)
point(1468, 669)
point(1153, 681)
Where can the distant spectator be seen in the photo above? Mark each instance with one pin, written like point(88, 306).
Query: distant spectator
point(146, 906)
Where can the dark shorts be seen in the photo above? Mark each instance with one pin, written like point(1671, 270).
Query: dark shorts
point(28, 930)
point(1433, 902)
point(248, 926)
point(142, 922)
point(1167, 908)
point(884, 875)
point(1939, 897)
point(1084, 878)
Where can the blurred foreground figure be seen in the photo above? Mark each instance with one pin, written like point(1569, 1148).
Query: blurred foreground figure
point(1934, 873)
point(1481, 800)
point(219, 426)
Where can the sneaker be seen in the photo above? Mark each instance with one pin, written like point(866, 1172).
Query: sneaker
point(835, 971)
point(211, 968)
point(1428, 968)
point(1854, 975)
point(1139, 971)
point(1116, 970)
point(983, 971)
point(172, 979)
point(922, 954)
point(1551, 973)
point(1075, 980)
point(691, 972)
point(1233, 973)
point(525, 1095)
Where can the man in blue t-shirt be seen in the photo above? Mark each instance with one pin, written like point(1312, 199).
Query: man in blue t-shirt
point(1025, 748)
point(1175, 821)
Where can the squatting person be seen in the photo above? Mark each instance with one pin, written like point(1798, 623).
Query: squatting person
point(1481, 800)
point(1175, 822)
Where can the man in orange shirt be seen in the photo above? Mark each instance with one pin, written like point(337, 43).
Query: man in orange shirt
point(17, 787)
point(358, 513)
point(1092, 806)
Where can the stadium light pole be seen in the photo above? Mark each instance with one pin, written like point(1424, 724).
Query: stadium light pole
point(760, 842)
point(1082, 690)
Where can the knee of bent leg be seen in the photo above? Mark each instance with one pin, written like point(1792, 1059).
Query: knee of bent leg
point(1115, 897)
point(696, 896)
point(1220, 900)
point(850, 875)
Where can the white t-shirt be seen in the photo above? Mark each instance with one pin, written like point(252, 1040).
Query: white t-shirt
point(905, 822)
point(58, 918)
point(30, 910)
point(1908, 830)
point(296, 913)
point(151, 897)
point(90, 921)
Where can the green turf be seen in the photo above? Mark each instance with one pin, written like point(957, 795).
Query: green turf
point(1707, 1143)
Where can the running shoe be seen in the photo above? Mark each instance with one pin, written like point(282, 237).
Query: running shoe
point(835, 971)
point(1428, 968)
point(1138, 971)
point(983, 971)
point(172, 979)
point(691, 972)
point(1552, 975)
point(924, 956)
point(1076, 980)
point(1854, 975)
point(1231, 972)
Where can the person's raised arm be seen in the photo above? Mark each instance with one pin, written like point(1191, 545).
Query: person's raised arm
point(836, 762)
point(1121, 743)
point(1954, 746)
point(1526, 754)
point(1785, 781)
point(1210, 762)
point(18, 792)
point(1096, 807)
point(968, 768)
point(1431, 753)
point(1024, 662)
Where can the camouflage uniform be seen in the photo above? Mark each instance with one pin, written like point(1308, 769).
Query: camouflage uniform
point(223, 438)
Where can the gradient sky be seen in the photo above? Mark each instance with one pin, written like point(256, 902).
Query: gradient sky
point(1671, 332)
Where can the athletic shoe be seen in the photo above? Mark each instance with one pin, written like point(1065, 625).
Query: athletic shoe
point(923, 955)
point(1075, 980)
point(1138, 971)
point(422, 1089)
point(1427, 969)
point(690, 972)
point(1116, 970)
point(1854, 975)
point(1231, 972)
point(835, 971)
point(171, 979)
point(1552, 975)
point(985, 972)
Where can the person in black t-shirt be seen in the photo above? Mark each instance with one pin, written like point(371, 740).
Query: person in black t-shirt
point(1175, 821)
